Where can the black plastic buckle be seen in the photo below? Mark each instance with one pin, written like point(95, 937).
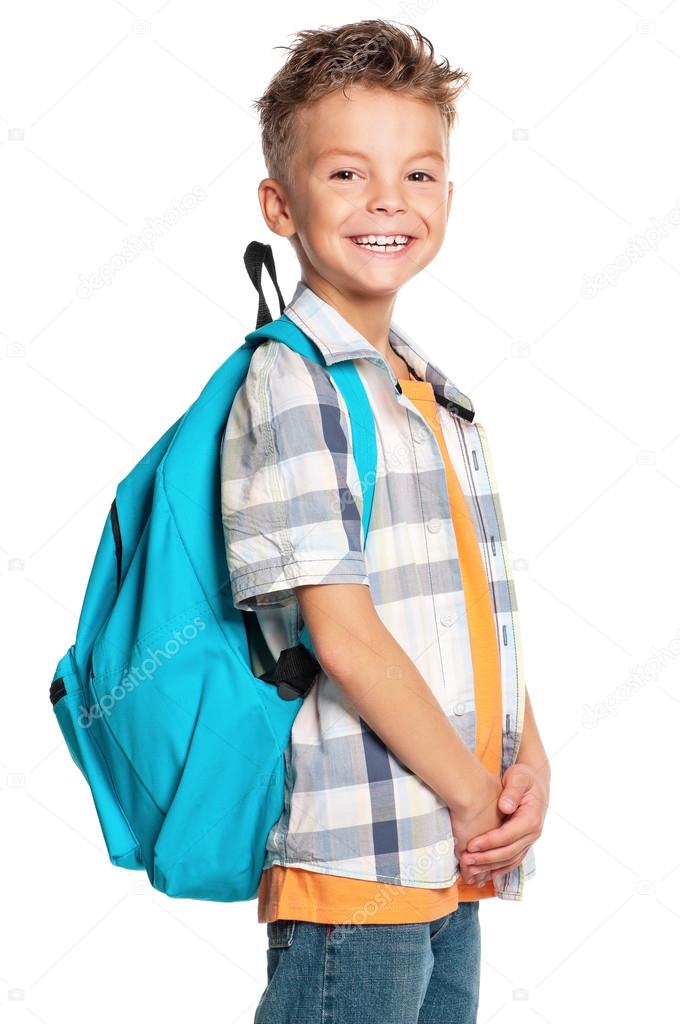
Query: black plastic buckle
point(57, 690)
point(294, 673)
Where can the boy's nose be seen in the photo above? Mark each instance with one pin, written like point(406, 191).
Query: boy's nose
point(395, 206)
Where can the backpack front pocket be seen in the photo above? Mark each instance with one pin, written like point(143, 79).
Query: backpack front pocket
point(70, 706)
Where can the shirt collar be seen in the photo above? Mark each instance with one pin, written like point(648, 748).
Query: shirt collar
point(337, 340)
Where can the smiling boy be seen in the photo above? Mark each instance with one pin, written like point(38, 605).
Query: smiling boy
point(417, 744)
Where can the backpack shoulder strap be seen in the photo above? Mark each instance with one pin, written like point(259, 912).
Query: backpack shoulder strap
point(362, 424)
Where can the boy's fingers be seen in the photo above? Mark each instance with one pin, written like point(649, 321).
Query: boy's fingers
point(510, 798)
point(503, 843)
point(508, 832)
point(496, 870)
point(517, 781)
point(512, 829)
point(504, 868)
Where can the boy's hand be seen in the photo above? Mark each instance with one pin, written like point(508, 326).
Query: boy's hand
point(479, 817)
point(523, 801)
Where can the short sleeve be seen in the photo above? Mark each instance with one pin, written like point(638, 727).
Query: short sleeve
point(290, 493)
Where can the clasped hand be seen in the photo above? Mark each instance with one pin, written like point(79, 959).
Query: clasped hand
point(493, 837)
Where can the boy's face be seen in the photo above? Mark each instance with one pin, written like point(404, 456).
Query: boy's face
point(369, 163)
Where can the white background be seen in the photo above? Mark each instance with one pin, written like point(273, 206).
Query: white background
point(565, 151)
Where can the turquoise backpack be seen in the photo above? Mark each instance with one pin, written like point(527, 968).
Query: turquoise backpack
point(181, 743)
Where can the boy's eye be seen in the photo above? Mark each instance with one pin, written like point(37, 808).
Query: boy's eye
point(336, 173)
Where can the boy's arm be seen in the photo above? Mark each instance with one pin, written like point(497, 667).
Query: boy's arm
point(531, 750)
point(525, 797)
point(357, 650)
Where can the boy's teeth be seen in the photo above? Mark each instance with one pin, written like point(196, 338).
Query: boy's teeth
point(394, 241)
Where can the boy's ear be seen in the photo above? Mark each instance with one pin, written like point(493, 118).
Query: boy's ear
point(448, 201)
point(275, 208)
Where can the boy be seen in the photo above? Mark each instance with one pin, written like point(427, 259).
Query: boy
point(394, 771)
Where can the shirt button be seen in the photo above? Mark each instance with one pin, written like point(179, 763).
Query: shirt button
point(434, 525)
point(446, 620)
point(459, 707)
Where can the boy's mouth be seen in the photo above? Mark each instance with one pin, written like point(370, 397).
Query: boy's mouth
point(384, 245)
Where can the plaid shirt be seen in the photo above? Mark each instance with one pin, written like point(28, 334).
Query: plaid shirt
point(291, 511)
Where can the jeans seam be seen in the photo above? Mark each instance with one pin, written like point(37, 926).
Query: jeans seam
point(326, 1011)
point(441, 928)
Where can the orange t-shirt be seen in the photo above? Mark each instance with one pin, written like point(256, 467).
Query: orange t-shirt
point(301, 894)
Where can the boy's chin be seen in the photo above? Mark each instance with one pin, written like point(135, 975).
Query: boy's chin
point(375, 285)
point(378, 274)
point(378, 280)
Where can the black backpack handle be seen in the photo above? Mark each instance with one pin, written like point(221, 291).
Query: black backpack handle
point(257, 255)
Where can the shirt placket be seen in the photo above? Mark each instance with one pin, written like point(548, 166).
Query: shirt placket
point(450, 622)
point(510, 886)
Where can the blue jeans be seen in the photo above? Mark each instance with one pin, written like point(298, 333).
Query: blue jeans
point(375, 973)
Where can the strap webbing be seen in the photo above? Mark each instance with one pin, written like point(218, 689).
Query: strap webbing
point(294, 662)
point(257, 255)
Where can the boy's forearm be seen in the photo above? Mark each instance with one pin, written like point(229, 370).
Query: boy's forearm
point(391, 695)
point(380, 680)
point(531, 750)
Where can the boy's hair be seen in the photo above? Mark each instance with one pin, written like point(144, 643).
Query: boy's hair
point(374, 52)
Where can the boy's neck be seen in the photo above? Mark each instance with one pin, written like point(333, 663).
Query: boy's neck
point(371, 316)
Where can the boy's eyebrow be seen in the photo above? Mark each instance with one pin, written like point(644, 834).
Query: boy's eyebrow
point(340, 151)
